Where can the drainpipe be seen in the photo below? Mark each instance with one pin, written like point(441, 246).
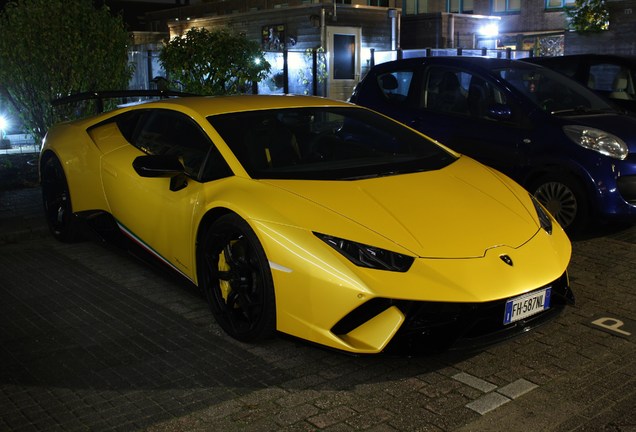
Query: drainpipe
point(394, 28)
point(323, 27)
point(399, 30)
point(451, 31)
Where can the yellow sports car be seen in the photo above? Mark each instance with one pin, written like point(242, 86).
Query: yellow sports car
point(314, 218)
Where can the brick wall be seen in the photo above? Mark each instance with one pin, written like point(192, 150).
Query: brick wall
point(619, 39)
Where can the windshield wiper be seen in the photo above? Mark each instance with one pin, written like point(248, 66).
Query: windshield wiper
point(372, 175)
point(583, 110)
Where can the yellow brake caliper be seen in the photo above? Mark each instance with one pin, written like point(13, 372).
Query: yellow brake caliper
point(224, 285)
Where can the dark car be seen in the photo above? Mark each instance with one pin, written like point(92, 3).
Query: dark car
point(568, 146)
point(609, 75)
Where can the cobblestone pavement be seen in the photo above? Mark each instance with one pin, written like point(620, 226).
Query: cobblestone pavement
point(93, 339)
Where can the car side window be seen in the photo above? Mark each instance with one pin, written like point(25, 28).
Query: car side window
point(166, 132)
point(460, 92)
point(395, 85)
point(445, 90)
point(604, 75)
point(615, 79)
point(127, 123)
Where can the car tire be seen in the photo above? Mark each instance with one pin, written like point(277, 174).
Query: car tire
point(237, 280)
point(565, 199)
point(56, 198)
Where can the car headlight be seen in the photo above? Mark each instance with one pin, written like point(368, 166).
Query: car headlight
point(368, 256)
point(544, 218)
point(597, 140)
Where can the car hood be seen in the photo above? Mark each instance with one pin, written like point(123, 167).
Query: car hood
point(459, 211)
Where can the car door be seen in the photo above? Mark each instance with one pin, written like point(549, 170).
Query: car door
point(151, 212)
point(474, 116)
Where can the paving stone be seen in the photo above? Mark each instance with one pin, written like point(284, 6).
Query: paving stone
point(517, 388)
point(92, 339)
point(475, 382)
point(487, 403)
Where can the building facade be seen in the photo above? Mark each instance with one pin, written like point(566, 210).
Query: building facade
point(290, 32)
point(618, 39)
point(344, 33)
point(537, 25)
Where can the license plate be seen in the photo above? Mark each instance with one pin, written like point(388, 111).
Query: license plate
point(527, 305)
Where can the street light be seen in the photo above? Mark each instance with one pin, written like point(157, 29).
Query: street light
point(489, 30)
point(4, 124)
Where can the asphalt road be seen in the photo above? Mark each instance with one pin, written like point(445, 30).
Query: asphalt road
point(93, 339)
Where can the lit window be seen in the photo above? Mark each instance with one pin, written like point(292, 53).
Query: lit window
point(506, 5)
point(558, 4)
point(459, 6)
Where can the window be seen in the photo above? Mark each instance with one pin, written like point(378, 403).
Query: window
point(381, 3)
point(614, 79)
point(412, 7)
point(506, 6)
point(395, 85)
point(460, 92)
point(326, 143)
point(344, 56)
point(165, 132)
point(558, 4)
point(459, 6)
point(444, 92)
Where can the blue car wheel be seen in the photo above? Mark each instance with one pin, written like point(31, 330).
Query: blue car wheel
point(564, 199)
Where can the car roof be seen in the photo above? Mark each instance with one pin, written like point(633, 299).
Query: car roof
point(464, 61)
point(213, 105)
point(596, 57)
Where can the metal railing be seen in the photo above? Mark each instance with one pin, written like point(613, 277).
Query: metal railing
point(380, 56)
point(19, 144)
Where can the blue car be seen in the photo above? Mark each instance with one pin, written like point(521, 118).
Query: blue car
point(566, 145)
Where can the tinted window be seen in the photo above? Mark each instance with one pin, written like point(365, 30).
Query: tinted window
point(127, 123)
point(165, 132)
point(460, 92)
point(551, 91)
point(445, 90)
point(616, 79)
point(604, 75)
point(395, 85)
point(326, 143)
point(344, 60)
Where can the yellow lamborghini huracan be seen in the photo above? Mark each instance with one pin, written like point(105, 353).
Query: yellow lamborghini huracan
point(314, 218)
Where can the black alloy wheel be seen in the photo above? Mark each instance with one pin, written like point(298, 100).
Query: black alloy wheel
point(56, 198)
point(237, 280)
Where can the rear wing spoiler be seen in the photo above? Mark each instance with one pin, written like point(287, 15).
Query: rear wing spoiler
point(99, 96)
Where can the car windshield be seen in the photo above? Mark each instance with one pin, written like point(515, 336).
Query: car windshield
point(553, 92)
point(328, 143)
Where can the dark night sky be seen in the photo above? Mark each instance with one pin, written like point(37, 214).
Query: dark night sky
point(131, 11)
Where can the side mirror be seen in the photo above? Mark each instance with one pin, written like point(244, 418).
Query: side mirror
point(157, 166)
point(162, 166)
point(500, 112)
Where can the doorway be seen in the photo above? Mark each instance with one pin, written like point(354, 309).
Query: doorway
point(343, 46)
